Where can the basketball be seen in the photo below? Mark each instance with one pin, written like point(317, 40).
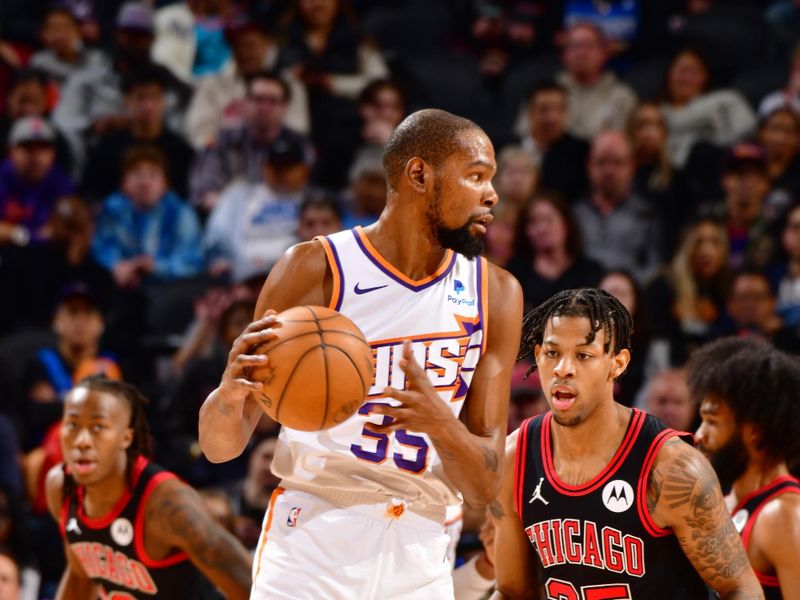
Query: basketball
point(319, 372)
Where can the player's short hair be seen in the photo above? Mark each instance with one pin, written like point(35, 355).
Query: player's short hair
point(431, 134)
point(758, 383)
point(602, 309)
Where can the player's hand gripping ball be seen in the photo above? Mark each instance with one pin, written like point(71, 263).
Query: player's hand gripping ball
point(319, 369)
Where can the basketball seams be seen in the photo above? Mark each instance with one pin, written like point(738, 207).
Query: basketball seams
point(289, 379)
point(352, 362)
point(322, 346)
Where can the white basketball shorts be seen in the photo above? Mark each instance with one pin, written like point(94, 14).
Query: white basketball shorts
point(311, 549)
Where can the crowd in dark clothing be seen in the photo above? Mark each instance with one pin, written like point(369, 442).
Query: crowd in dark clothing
point(159, 158)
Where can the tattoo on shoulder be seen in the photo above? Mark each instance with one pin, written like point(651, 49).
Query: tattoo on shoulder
point(691, 492)
point(496, 509)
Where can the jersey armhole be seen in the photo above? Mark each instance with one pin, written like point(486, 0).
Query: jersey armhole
point(644, 477)
point(483, 300)
point(337, 292)
point(520, 454)
point(138, 538)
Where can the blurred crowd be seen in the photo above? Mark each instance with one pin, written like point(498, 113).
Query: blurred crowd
point(159, 157)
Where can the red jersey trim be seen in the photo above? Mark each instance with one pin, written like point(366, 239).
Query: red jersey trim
point(521, 453)
point(634, 427)
point(62, 520)
point(767, 580)
point(138, 537)
point(751, 519)
point(644, 475)
point(771, 484)
point(108, 518)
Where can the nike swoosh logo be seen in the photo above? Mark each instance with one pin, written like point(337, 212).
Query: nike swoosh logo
point(360, 291)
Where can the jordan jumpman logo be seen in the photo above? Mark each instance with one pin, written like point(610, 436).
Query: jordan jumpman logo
point(537, 493)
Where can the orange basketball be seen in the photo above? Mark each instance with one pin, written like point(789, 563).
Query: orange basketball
point(319, 372)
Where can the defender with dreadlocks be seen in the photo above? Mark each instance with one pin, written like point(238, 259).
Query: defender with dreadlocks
point(615, 504)
point(131, 530)
point(747, 392)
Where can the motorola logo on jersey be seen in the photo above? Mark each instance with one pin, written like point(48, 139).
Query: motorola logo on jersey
point(618, 496)
point(122, 531)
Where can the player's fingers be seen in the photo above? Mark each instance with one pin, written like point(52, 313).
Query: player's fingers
point(262, 323)
point(386, 428)
point(258, 337)
point(244, 361)
point(415, 375)
point(253, 386)
point(404, 396)
point(270, 312)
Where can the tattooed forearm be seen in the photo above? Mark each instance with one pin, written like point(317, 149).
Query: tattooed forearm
point(490, 459)
point(496, 509)
point(691, 496)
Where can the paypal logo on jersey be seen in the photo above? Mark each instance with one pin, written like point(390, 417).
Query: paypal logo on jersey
point(458, 287)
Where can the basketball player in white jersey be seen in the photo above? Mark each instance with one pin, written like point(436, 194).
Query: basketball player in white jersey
point(360, 512)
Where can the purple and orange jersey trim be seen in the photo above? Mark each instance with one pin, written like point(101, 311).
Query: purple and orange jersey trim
point(390, 270)
point(337, 292)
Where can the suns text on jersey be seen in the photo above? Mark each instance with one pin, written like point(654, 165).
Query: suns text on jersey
point(449, 359)
point(572, 541)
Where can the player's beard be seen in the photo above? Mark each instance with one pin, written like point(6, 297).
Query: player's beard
point(460, 239)
point(730, 461)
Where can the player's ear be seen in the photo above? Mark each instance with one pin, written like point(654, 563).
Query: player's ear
point(751, 436)
point(127, 438)
point(619, 363)
point(417, 173)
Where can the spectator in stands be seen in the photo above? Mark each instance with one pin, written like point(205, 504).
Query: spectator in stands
point(29, 96)
point(745, 182)
point(190, 37)
point(788, 96)
point(689, 297)
point(145, 107)
point(667, 397)
point(656, 179)
point(381, 106)
point(627, 290)
point(319, 215)
point(64, 52)
point(40, 270)
point(253, 224)
point(10, 577)
point(785, 274)
point(784, 17)
point(620, 229)
point(555, 151)
point(694, 113)
point(92, 99)
point(221, 100)
point(597, 99)
point(549, 253)
point(751, 312)
point(219, 506)
point(335, 62)
point(145, 231)
point(517, 176)
point(240, 150)
point(779, 134)
point(365, 198)
point(78, 324)
point(30, 182)
point(251, 495)
point(17, 541)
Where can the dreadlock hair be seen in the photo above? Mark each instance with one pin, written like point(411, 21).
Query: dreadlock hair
point(141, 444)
point(602, 309)
point(758, 383)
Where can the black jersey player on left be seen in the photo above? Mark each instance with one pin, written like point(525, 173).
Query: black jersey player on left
point(131, 530)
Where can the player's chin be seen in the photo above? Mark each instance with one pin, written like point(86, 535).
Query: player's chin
point(477, 230)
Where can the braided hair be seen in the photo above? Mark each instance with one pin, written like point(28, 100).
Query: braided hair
point(141, 444)
point(602, 309)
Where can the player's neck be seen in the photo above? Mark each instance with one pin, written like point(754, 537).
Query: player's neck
point(759, 472)
point(409, 249)
point(99, 498)
point(600, 434)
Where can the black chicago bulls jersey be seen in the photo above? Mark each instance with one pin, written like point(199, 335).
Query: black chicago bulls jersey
point(745, 515)
point(111, 548)
point(597, 540)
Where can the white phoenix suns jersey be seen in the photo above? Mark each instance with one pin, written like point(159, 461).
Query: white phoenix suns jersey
point(444, 316)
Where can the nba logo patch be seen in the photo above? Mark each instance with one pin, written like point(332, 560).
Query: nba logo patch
point(294, 514)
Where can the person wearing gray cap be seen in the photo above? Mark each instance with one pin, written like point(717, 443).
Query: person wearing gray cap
point(30, 181)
